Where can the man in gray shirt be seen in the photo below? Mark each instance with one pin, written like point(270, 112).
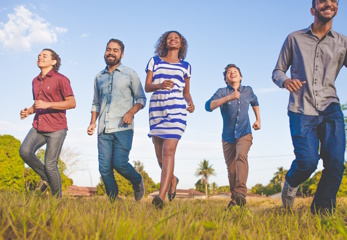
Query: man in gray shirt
point(118, 96)
point(315, 55)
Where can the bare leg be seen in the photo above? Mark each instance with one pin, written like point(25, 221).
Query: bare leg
point(165, 150)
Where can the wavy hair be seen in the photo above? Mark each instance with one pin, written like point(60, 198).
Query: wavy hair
point(161, 48)
point(56, 57)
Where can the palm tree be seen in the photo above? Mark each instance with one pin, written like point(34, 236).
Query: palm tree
point(280, 176)
point(205, 170)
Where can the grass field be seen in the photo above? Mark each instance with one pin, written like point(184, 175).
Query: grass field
point(32, 217)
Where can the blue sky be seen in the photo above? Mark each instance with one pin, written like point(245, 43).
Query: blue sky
point(218, 33)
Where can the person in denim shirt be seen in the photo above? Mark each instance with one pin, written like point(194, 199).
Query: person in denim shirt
point(315, 56)
point(118, 96)
point(234, 101)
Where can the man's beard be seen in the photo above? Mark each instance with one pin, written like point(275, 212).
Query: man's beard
point(110, 62)
point(325, 19)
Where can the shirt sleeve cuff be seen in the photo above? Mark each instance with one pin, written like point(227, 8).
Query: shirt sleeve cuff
point(208, 106)
point(95, 109)
point(141, 101)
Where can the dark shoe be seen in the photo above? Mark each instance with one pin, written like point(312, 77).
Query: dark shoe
point(231, 204)
point(139, 190)
point(288, 195)
point(172, 196)
point(158, 203)
point(240, 199)
point(42, 187)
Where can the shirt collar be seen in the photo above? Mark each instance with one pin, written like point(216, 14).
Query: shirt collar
point(49, 74)
point(119, 69)
point(331, 32)
point(231, 88)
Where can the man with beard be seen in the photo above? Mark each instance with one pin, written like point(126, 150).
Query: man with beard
point(118, 96)
point(316, 55)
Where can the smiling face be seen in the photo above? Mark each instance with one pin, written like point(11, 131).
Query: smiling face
point(45, 60)
point(233, 76)
point(173, 41)
point(324, 11)
point(113, 54)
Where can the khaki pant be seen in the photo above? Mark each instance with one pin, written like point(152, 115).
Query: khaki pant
point(235, 155)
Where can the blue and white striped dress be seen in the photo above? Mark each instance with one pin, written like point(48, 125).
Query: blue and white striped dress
point(167, 108)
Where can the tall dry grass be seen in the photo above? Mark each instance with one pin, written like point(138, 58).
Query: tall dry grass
point(31, 217)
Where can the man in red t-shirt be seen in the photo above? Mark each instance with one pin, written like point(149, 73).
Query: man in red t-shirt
point(53, 95)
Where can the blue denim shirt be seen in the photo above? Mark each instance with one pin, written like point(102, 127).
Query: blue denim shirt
point(114, 95)
point(235, 112)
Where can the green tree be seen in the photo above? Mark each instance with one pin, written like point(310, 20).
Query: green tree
point(125, 187)
point(11, 164)
point(205, 171)
point(280, 176)
point(214, 188)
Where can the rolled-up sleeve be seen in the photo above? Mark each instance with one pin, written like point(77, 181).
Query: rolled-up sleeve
point(254, 102)
point(96, 98)
point(137, 89)
point(218, 94)
point(284, 62)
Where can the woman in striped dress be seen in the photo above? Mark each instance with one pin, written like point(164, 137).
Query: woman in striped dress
point(168, 78)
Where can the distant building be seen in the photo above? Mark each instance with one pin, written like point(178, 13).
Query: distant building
point(184, 194)
point(75, 191)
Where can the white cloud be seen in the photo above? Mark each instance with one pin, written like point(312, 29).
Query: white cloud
point(84, 35)
point(267, 90)
point(25, 28)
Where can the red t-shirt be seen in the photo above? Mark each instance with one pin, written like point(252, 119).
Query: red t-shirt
point(55, 87)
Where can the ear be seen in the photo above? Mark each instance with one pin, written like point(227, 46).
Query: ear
point(313, 11)
point(54, 62)
point(121, 56)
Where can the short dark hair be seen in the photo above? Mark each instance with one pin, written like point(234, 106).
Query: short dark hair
point(120, 43)
point(230, 66)
point(313, 3)
point(56, 57)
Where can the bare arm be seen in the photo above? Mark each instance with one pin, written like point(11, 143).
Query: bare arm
point(26, 112)
point(257, 124)
point(92, 124)
point(68, 103)
point(150, 87)
point(218, 102)
point(188, 97)
point(129, 116)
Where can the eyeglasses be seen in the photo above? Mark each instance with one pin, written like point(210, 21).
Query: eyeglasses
point(332, 1)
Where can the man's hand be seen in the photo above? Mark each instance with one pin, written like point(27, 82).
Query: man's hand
point(235, 95)
point(191, 107)
point(24, 113)
point(293, 85)
point(39, 104)
point(127, 118)
point(256, 125)
point(167, 84)
point(91, 128)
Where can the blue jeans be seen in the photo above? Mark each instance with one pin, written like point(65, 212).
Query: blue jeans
point(48, 170)
point(307, 132)
point(114, 149)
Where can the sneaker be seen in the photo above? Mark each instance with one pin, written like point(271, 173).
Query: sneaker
point(42, 187)
point(139, 190)
point(240, 199)
point(231, 204)
point(158, 203)
point(288, 195)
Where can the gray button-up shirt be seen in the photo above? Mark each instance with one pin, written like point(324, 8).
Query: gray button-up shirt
point(315, 61)
point(114, 95)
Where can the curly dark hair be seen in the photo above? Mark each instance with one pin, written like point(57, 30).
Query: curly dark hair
point(161, 48)
point(56, 57)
